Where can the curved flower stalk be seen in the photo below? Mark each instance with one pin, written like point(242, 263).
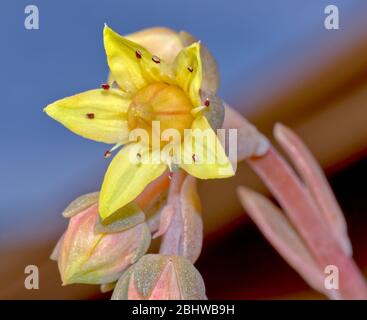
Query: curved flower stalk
point(182, 227)
point(312, 234)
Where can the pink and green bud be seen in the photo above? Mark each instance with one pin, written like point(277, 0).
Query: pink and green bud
point(161, 277)
point(87, 255)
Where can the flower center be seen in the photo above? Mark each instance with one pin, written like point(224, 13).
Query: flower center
point(161, 102)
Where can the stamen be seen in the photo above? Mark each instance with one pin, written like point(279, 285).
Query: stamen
point(156, 59)
point(207, 102)
point(194, 157)
point(190, 68)
point(171, 167)
point(107, 154)
point(138, 54)
point(90, 115)
point(105, 86)
point(197, 110)
point(117, 145)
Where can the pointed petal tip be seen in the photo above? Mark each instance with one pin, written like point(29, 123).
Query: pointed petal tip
point(103, 211)
point(65, 281)
point(52, 110)
point(49, 109)
point(106, 28)
point(107, 31)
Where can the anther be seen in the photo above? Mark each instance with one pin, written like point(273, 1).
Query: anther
point(138, 156)
point(197, 110)
point(194, 157)
point(90, 115)
point(207, 102)
point(107, 154)
point(190, 68)
point(156, 59)
point(105, 86)
point(138, 54)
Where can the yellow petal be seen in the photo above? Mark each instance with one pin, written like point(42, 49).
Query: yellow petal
point(209, 65)
point(131, 65)
point(98, 114)
point(203, 155)
point(126, 178)
point(188, 72)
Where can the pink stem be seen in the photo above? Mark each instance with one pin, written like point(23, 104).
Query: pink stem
point(172, 224)
point(315, 180)
point(304, 214)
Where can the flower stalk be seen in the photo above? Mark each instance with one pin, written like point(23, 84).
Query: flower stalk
point(311, 209)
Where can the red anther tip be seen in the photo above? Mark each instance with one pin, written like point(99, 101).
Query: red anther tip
point(207, 102)
point(156, 59)
point(190, 69)
point(90, 115)
point(105, 86)
point(138, 54)
point(107, 154)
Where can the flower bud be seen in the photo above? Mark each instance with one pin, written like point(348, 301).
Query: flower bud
point(86, 256)
point(160, 277)
point(162, 42)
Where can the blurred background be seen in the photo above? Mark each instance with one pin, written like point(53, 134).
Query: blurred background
point(278, 64)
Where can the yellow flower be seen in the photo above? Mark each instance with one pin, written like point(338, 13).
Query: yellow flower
point(148, 89)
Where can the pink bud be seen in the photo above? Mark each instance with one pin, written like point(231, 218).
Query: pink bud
point(89, 256)
point(161, 277)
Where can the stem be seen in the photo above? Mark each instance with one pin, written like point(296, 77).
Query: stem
point(304, 214)
point(172, 233)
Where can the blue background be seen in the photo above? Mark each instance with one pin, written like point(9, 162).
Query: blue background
point(43, 165)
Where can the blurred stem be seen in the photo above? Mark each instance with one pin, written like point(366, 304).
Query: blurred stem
point(297, 202)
